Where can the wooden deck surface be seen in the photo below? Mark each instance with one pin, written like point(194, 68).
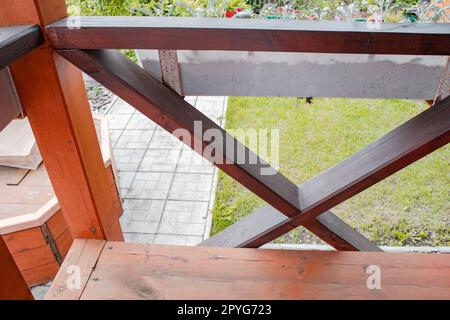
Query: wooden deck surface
point(116, 270)
point(23, 191)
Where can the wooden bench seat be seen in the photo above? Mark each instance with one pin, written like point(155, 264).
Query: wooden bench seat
point(117, 270)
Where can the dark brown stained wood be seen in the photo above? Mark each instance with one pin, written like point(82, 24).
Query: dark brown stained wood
point(170, 111)
point(177, 33)
point(148, 95)
point(12, 283)
point(16, 41)
point(9, 106)
point(341, 232)
point(141, 271)
point(326, 226)
point(404, 145)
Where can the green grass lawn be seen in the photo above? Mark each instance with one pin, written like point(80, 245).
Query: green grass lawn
point(411, 207)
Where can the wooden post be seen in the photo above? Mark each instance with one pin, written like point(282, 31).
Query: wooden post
point(54, 99)
point(12, 284)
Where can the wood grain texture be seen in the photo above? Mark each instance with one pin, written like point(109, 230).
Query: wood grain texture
point(25, 240)
point(404, 145)
point(64, 242)
point(42, 12)
point(16, 41)
point(41, 274)
point(171, 112)
point(57, 224)
point(177, 33)
point(84, 255)
point(54, 98)
point(33, 255)
point(12, 283)
point(139, 271)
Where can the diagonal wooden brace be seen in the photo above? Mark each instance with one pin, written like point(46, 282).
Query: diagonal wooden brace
point(404, 145)
point(170, 111)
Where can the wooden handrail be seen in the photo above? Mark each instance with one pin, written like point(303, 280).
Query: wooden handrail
point(179, 33)
point(16, 41)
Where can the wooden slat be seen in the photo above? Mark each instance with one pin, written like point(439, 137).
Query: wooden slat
point(12, 284)
point(179, 33)
point(25, 240)
point(171, 112)
point(63, 243)
point(83, 254)
point(57, 224)
point(33, 255)
point(140, 271)
point(54, 98)
point(411, 141)
point(40, 274)
point(16, 41)
point(36, 257)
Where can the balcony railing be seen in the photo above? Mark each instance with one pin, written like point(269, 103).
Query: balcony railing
point(47, 82)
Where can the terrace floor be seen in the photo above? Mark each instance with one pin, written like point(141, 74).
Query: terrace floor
point(168, 189)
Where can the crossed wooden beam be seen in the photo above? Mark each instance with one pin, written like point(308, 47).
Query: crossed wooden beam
point(289, 206)
point(91, 48)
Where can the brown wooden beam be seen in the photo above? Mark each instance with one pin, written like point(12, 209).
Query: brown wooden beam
point(170, 111)
point(136, 271)
point(331, 228)
point(10, 105)
point(12, 283)
point(178, 33)
point(327, 226)
point(164, 106)
point(16, 41)
point(54, 98)
point(404, 145)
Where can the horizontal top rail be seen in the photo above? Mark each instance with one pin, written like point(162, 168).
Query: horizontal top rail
point(181, 33)
point(16, 41)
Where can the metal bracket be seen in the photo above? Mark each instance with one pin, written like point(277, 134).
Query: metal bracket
point(52, 243)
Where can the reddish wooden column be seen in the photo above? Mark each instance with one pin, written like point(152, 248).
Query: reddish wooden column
point(54, 98)
point(12, 284)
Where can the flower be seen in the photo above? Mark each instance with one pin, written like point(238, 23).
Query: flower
point(229, 14)
point(237, 10)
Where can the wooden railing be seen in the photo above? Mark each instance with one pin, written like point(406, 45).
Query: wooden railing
point(51, 90)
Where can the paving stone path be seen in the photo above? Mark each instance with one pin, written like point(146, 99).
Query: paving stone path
point(168, 189)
